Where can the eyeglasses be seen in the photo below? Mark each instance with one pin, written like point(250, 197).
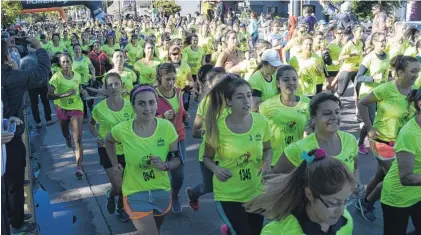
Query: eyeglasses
point(334, 206)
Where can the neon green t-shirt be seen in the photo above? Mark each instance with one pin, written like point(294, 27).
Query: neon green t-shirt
point(110, 50)
point(181, 75)
point(128, 77)
point(259, 83)
point(82, 67)
point(410, 51)
point(174, 101)
point(310, 72)
point(395, 48)
point(352, 64)
point(162, 54)
point(393, 192)
point(374, 66)
point(147, 73)
point(63, 85)
point(107, 119)
point(417, 83)
point(132, 52)
point(46, 46)
point(291, 226)
point(247, 67)
point(348, 153)
point(61, 48)
point(139, 175)
point(287, 124)
point(392, 111)
point(206, 44)
point(194, 58)
point(242, 155)
point(334, 51)
point(243, 40)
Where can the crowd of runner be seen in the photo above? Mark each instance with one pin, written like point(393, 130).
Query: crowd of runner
point(269, 117)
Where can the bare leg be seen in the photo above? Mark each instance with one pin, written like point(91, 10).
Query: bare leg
point(64, 126)
point(76, 124)
point(146, 225)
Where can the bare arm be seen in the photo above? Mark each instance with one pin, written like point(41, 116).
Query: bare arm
point(267, 158)
point(197, 131)
point(52, 96)
point(110, 146)
point(406, 161)
point(363, 109)
point(222, 58)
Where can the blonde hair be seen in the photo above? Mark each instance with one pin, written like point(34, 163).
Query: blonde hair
point(284, 194)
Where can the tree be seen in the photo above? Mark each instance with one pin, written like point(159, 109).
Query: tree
point(362, 9)
point(10, 11)
point(167, 6)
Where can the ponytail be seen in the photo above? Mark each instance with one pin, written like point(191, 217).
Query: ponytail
point(285, 194)
point(413, 97)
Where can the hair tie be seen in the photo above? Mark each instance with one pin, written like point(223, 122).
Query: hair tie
point(140, 89)
point(307, 158)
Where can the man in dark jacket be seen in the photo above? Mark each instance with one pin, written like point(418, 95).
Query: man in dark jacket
point(14, 84)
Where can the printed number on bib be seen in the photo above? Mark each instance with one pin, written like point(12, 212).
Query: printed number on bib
point(245, 174)
point(71, 101)
point(148, 175)
point(289, 139)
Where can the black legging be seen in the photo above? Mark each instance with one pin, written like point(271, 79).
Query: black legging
point(395, 220)
point(242, 222)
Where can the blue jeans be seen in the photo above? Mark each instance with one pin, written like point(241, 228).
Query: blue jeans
point(206, 186)
point(177, 175)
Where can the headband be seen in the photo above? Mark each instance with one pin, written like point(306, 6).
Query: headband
point(141, 88)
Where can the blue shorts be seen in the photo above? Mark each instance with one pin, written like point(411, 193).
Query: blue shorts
point(141, 204)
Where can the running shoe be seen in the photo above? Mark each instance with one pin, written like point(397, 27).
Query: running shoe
point(176, 206)
point(122, 215)
point(110, 203)
point(362, 149)
point(50, 122)
point(193, 204)
point(25, 228)
point(367, 212)
point(79, 172)
point(225, 230)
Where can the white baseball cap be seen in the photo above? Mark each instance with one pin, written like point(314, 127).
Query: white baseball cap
point(272, 57)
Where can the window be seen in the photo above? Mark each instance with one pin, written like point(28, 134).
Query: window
point(272, 10)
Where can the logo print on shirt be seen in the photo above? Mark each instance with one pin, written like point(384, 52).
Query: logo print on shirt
point(160, 142)
point(145, 162)
point(291, 126)
point(244, 160)
point(126, 116)
point(258, 137)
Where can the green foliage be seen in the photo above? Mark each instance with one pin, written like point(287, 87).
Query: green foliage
point(362, 9)
point(10, 10)
point(167, 6)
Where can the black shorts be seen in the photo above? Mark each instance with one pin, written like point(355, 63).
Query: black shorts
point(104, 160)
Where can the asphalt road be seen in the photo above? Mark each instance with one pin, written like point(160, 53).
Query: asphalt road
point(65, 205)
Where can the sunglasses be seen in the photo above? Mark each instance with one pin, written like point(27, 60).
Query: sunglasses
point(174, 54)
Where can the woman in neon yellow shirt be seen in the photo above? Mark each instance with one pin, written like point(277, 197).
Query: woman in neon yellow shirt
point(335, 48)
point(325, 120)
point(351, 55)
point(249, 65)
point(230, 56)
point(150, 151)
point(193, 194)
point(309, 66)
point(64, 89)
point(393, 112)
point(373, 71)
point(128, 77)
point(309, 200)
point(86, 42)
point(287, 113)
point(294, 45)
point(56, 46)
point(146, 67)
point(263, 80)
point(108, 113)
point(401, 192)
point(237, 177)
point(110, 46)
point(194, 56)
point(397, 44)
point(206, 41)
point(132, 50)
point(163, 49)
point(82, 65)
